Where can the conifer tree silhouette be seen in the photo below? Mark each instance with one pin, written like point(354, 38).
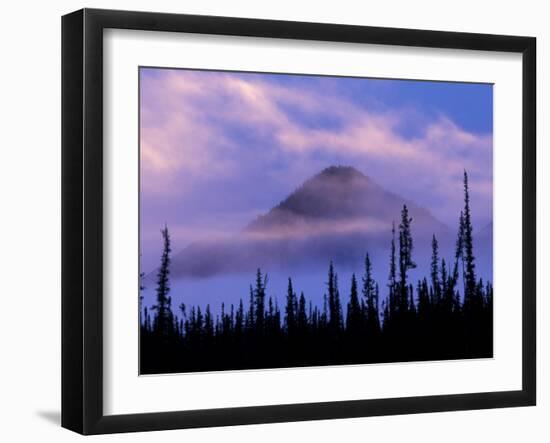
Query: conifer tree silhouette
point(354, 314)
point(239, 320)
point(259, 301)
point(392, 279)
point(163, 318)
point(405, 259)
point(290, 309)
point(250, 317)
point(302, 317)
point(434, 268)
point(370, 294)
point(468, 244)
point(332, 305)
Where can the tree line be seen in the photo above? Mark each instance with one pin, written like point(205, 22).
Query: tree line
point(447, 315)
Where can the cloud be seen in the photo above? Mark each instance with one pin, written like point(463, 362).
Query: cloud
point(196, 125)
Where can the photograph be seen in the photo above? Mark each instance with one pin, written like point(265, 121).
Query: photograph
point(298, 220)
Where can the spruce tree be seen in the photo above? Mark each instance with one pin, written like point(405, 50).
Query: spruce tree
point(436, 286)
point(459, 250)
point(276, 319)
point(250, 320)
point(405, 257)
point(140, 299)
point(239, 319)
point(370, 294)
point(290, 309)
point(392, 278)
point(147, 319)
point(469, 258)
point(373, 313)
point(423, 300)
point(353, 317)
point(368, 281)
point(323, 320)
point(163, 318)
point(199, 325)
point(334, 305)
point(301, 318)
point(270, 318)
point(447, 287)
point(259, 300)
point(337, 314)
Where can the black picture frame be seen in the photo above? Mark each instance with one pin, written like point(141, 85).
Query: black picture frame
point(82, 219)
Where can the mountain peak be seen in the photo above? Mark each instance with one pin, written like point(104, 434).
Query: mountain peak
point(338, 193)
point(341, 172)
point(334, 192)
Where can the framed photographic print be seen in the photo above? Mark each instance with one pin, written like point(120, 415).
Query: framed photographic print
point(269, 221)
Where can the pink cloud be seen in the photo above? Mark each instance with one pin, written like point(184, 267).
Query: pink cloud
point(184, 138)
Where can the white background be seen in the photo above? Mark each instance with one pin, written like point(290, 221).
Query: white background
point(30, 220)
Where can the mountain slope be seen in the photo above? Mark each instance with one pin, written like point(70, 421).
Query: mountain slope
point(340, 194)
point(339, 214)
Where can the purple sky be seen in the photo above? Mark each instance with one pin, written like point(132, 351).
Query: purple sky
point(220, 148)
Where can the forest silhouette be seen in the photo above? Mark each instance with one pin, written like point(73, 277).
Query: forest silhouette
point(446, 315)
